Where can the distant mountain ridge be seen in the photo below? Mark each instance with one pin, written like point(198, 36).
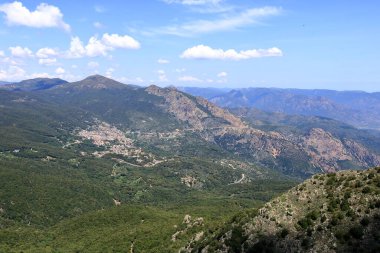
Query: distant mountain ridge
point(34, 84)
point(358, 108)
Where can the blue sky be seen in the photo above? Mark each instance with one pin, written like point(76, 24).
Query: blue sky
point(205, 43)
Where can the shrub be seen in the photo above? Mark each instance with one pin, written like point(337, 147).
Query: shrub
point(306, 243)
point(357, 232)
point(284, 232)
point(366, 190)
point(313, 215)
point(305, 223)
point(358, 184)
point(237, 239)
point(334, 221)
point(365, 221)
point(344, 205)
point(331, 181)
point(350, 213)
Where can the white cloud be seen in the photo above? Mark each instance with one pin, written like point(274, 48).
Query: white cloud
point(100, 47)
point(76, 48)
point(21, 52)
point(225, 23)
point(163, 61)
point(206, 52)
point(47, 61)
point(46, 52)
point(162, 76)
point(44, 16)
point(13, 73)
point(222, 74)
point(130, 80)
point(120, 41)
point(60, 71)
point(2, 54)
point(189, 79)
point(95, 47)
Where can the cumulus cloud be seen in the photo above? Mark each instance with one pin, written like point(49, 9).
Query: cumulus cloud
point(13, 73)
point(100, 47)
point(44, 16)
point(95, 47)
point(60, 71)
point(120, 41)
point(21, 52)
point(206, 52)
point(46, 52)
point(129, 80)
point(189, 79)
point(163, 61)
point(2, 54)
point(76, 48)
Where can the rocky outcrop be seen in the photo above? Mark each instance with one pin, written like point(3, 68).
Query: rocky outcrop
point(326, 151)
point(197, 112)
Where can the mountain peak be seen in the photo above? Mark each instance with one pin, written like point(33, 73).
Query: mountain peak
point(98, 82)
point(98, 78)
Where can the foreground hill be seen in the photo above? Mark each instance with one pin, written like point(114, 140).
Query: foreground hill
point(357, 108)
point(337, 212)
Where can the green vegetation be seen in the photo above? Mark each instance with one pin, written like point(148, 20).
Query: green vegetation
point(316, 213)
point(60, 193)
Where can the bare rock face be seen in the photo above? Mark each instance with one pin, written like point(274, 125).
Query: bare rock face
point(363, 155)
point(220, 113)
point(197, 112)
point(326, 151)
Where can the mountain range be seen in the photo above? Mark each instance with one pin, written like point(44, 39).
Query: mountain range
point(357, 108)
point(95, 149)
